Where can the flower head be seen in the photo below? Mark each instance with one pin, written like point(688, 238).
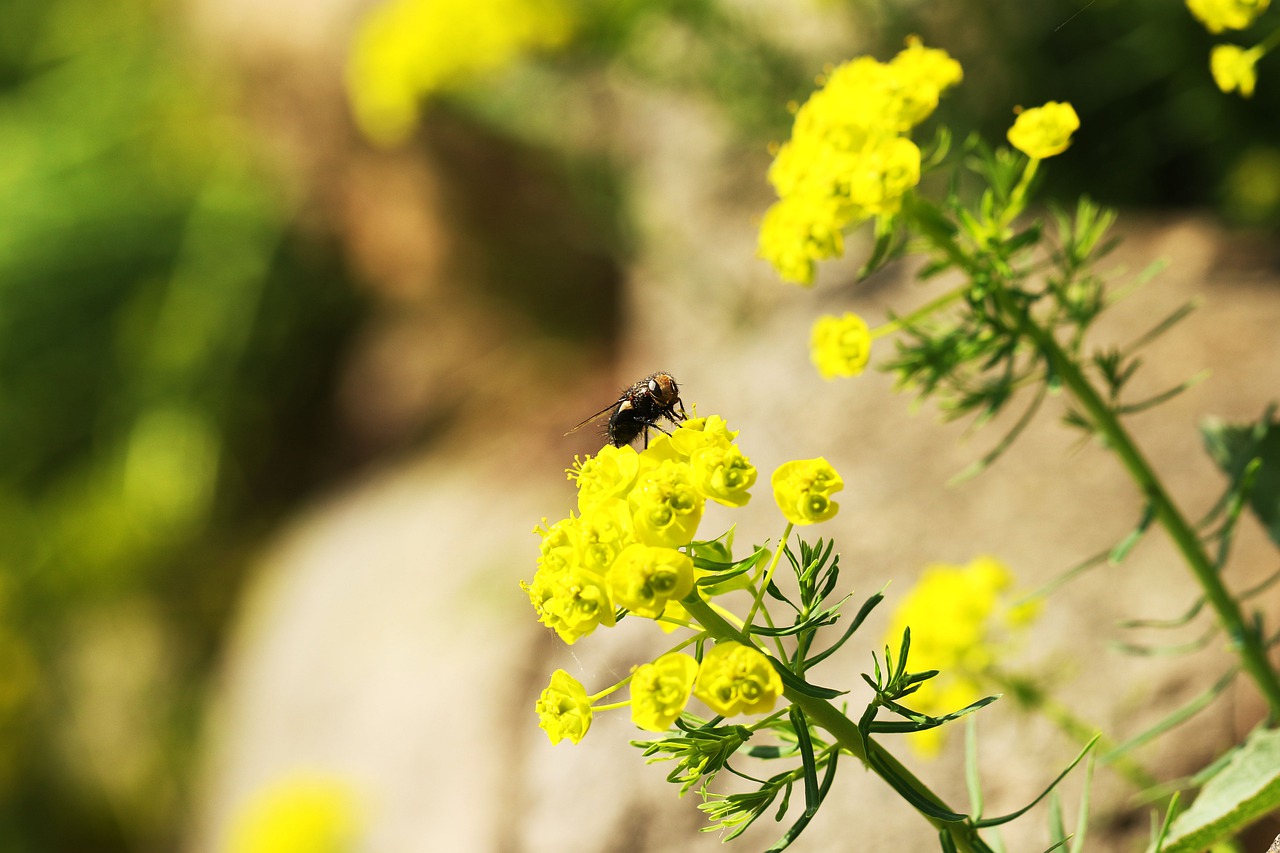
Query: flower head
point(803, 488)
point(737, 679)
point(564, 709)
point(608, 474)
point(301, 813)
point(1233, 68)
point(665, 506)
point(571, 601)
point(644, 578)
point(602, 532)
point(960, 623)
point(1219, 15)
point(1042, 132)
point(660, 690)
point(840, 346)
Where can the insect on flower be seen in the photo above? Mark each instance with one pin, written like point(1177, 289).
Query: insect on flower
point(639, 408)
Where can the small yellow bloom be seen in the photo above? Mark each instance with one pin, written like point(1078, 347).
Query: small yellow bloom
point(660, 691)
point(737, 679)
point(1233, 68)
point(803, 488)
point(1042, 132)
point(643, 579)
point(301, 813)
point(840, 346)
point(723, 474)
point(601, 534)
point(797, 231)
point(1219, 15)
point(572, 602)
point(564, 709)
point(608, 474)
point(665, 506)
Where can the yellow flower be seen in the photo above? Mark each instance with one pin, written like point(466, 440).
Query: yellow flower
point(608, 474)
point(723, 474)
point(564, 710)
point(665, 506)
point(1042, 132)
point(602, 532)
point(660, 690)
point(802, 489)
point(797, 231)
point(643, 579)
point(924, 73)
point(737, 679)
point(961, 623)
point(840, 346)
point(883, 176)
point(1233, 68)
point(407, 50)
point(1219, 15)
point(572, 602)
point(303, 813)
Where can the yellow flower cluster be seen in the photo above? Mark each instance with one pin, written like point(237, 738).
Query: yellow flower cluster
point(849, 157)
point(635, 510)
point(407, 50)
point(1219, 15)
point(960, 622)
point(629, 547)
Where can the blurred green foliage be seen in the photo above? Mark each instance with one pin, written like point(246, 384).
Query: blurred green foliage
point(165, 344)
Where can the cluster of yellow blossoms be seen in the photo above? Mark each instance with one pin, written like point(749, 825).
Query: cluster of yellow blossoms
point(849, 157)
point(636, 511)
point(1233, 67)
point(961, 623)
point(407, 50)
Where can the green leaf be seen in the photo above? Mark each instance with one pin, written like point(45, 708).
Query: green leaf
point(1247, 788)
point(1233, 447)
point(996, 821)
point(863, 612)
point(798, 684)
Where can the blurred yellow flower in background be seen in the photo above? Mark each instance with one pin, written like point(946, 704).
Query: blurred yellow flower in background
point(961, 624)
point(407, 50)
point(1219, 15)
point(301, 813)
point(1233, 68)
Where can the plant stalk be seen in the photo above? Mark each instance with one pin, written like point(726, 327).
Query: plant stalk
point(1247, 640)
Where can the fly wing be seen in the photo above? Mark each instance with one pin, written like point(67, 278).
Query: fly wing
point(597, 416)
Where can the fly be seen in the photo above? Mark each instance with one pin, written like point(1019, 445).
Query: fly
point(639, 408)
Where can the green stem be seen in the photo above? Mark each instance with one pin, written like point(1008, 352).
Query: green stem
point(845, 731)
point(1249, 644)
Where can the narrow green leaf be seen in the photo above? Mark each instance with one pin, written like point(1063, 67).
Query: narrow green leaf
point(996, 821)
point(1082, 822)
point(972, 779)
point(904, 788)
point(798, 684)
point(863, 612)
